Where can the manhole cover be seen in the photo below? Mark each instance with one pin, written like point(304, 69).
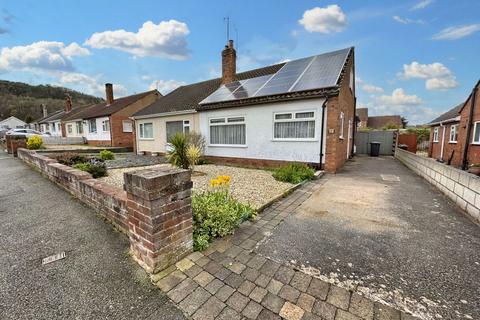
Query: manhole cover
point(390, 177)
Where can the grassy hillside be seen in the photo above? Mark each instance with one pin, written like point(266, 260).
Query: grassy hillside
point(25, 101)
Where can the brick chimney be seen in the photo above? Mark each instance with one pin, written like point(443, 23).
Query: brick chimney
point(68, 103)
point(229, 63)
point(44, 111)
point(109, 93)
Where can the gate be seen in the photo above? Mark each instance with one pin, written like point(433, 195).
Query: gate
point(386, 138)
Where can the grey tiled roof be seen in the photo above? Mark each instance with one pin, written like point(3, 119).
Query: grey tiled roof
point(450, 114)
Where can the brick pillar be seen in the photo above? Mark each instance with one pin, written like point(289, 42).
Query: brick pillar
point(159, 216)
point(14, 142)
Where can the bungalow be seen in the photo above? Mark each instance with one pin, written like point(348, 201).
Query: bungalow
point(455, 135)
point(302, 110)
point(11, 123)
point(108, 123)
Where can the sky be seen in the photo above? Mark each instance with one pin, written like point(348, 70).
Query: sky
point(415, 58)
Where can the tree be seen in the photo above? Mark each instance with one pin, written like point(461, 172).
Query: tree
point(404, 122)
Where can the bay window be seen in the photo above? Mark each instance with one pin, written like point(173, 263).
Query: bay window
point(228, 131)
point(294, 125)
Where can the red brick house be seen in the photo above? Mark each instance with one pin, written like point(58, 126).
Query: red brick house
point(455, 135)
point(108, 123)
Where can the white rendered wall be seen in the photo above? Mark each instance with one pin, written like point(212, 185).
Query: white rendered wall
point(100, 134)
point(259, 133)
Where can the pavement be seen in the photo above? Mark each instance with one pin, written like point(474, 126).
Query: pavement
point(96, 280)
point(379, 229)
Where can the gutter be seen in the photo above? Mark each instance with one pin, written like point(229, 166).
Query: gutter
point(322, 130)
point(444, 121)
point(164, 114)
point(469, 129)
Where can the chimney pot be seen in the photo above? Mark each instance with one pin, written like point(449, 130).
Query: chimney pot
point(68, 103)
point(109, 93)
point(229, 63)
point(44, 110)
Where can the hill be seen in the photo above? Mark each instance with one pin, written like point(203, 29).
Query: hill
point(25, 101)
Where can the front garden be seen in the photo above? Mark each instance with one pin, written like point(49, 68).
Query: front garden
point(222, 196)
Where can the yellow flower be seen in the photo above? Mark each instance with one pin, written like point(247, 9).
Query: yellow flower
point(214, 183)
point(224, 179)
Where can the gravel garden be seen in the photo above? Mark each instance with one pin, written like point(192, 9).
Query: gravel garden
point(222, 197)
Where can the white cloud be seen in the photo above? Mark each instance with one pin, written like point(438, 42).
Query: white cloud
point(437, 76)
point(166, 86)
point(88, 84)
point(42, 55)
point(407, 20)
point(165, 40)
point(457, 32)
point(399, 100)
point(324, 20)
point(422, 4)
point(370, 88)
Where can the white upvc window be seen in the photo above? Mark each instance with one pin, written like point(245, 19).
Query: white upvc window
point(146, 130)
point(435, 134)
point(476, 133)
point(92, 126)
point(53, 127)
point(342, 124)
point(294, 125)
point(453, 133)
point(106, 125)
point(127, 126)
point(70, 128)
point(79, 127)
point(59, 126)
point(228, 131)
point(174, 127)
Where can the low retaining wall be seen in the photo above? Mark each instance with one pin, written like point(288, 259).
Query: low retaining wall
point(155, 210)
point(460, 186)
point(109, 201)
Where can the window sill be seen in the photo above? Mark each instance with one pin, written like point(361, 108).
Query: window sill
point(146, 139)
point(227, 146)
point(294, 140)
point(476, 143)
point(435, 141)
point(452, 142)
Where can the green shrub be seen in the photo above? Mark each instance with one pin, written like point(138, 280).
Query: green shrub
point(294, 173)
point(96, 167)
point(70, 158)
point(107, 155)
point(34, 142)
point(215, 214)
point(177, 155)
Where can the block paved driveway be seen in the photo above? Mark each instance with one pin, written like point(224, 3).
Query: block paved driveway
point(96, 280)
point(393, 237)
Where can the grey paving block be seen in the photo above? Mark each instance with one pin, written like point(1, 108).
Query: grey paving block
point(284, 274)
point(237, 301)
point(193, 301)
point(224, 293)
point(273, 303)
point(274, 286)
point(257, 294)
point(301, 281)
point(325, 310)
point(269, 268)
point(289, 293)
point(361, 306)
point(383, 312)
point(252, 310)
point(182, 290)
point(209, 310)
point(263, 280)
point(246, 287)
point(229, 314)
point(250, 274)
point(318, 288)
point(345, 315)
point(214, 285)
point(172, 280)
point(234, 280)
point(339, 297)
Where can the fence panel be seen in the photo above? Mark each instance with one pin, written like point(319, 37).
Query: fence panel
point(386, 138)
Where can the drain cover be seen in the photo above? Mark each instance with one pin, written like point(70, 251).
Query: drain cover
point(53, 258)
point(390, 177)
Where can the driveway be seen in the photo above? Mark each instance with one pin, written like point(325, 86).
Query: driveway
point(380, 229)
point(96, 280)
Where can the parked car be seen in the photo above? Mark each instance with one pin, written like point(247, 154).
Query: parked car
point(28, 133)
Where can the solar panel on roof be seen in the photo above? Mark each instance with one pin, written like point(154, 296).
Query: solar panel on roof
point(315, 72)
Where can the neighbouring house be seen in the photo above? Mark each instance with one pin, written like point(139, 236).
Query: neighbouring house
point(11, 123)
point(455, 135)
point(108, 123)
point(378, 122)
point(362, 117)
point(298, 111)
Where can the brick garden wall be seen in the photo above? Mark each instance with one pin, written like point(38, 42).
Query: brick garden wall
point(460, 186)
point(107, 200)
point(155, 210)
